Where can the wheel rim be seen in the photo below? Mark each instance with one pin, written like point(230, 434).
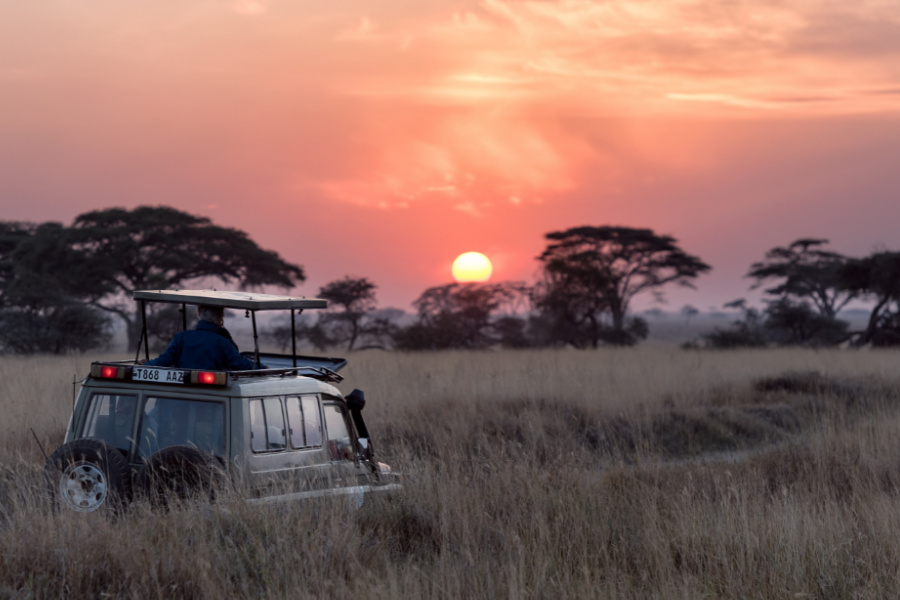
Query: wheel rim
point(83, 486)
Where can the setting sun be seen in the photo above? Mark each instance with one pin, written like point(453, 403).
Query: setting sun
point(472, 266)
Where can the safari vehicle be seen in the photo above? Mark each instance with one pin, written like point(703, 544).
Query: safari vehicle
point(282, 431)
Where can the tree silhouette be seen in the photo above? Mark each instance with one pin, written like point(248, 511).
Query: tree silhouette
point(878, 277)
point(12, 234)
point(792, 323)
point(591, 273)
point(40, 282)
point(355, 297)
point(159, 247)
point(783, 322)
point(746, 332)
point(805, 272)
point(460, 315)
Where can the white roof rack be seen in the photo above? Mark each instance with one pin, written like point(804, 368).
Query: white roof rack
point(247, 300)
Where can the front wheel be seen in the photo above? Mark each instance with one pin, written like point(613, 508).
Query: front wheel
point(87, 475)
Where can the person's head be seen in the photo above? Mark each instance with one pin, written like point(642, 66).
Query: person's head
point(213, 314)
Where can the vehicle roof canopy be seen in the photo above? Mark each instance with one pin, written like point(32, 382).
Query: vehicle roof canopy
point(228, 299)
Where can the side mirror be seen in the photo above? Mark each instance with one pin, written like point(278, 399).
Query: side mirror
point(364, 446)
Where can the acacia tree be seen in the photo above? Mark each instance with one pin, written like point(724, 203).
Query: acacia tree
point(805, 272)
point(12, 234)
point(159, 247)
point(39, 280)
point(355, 297)
point(591, 275)
point(459, 315)
point(878, 277)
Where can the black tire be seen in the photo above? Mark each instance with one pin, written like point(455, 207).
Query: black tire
point(180, 473)
point(88, 475)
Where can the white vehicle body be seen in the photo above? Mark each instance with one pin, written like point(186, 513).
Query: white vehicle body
point(278, 433)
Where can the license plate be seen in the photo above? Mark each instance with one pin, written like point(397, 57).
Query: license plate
point(157, 375)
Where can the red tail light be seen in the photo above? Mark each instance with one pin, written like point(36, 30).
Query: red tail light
point(209, 377)
point(107, 372)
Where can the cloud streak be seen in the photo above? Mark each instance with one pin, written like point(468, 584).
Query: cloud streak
point(510, 74)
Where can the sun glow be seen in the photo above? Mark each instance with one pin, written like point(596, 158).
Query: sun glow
point(471, 267)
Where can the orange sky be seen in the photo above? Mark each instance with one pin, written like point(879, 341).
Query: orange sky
point(382, 139)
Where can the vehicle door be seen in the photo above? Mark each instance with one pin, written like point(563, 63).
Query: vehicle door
point(345, 468)
point(286, 446)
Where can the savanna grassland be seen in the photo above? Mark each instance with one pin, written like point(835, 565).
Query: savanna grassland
point(629, 473)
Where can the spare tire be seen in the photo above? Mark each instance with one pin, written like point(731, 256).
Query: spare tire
point(88, 475)
point(180, 473)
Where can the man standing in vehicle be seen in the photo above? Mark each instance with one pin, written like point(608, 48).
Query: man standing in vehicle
point(207, 346)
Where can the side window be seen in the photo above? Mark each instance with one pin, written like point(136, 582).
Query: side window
point(274, 423)
point(111, 418)
point(312, 420)
point(177, 421)
point(258, 441)
point(267, 425)
point(304, 422)
point(339, 444)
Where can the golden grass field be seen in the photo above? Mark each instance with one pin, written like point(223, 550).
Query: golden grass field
point(627, 473)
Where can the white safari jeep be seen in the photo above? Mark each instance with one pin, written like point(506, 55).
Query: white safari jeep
point(277, 433)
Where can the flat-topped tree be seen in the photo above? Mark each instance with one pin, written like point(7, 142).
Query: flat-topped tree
point(159, 247)
point(805, 271)
point(591, 275)
point(12, 234)
point(877, 277)
point(352, 300)
point(460, 315)
point(41, 307)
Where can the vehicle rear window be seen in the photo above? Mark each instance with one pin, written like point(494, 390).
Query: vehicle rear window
point(111, 418)
point(177, 421)
point(267, 432)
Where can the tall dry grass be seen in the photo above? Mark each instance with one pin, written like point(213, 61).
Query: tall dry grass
point(637, 473)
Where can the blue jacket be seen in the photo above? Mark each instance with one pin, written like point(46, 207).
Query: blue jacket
point(202, 348)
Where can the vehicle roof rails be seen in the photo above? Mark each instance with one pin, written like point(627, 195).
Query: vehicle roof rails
point(320, 373)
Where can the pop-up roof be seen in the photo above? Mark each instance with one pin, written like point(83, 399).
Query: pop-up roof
point(229, 299)
point(250, 301)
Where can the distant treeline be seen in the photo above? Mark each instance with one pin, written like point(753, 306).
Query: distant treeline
point(62, 286)
point(809, 285)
